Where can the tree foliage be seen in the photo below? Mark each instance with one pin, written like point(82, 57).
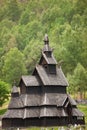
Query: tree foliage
point(14, 66)
point(78, 80)
point(23, 24)
point(4, 92)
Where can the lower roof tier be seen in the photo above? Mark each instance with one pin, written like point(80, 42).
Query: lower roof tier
point(41, 112)
point(49, 99)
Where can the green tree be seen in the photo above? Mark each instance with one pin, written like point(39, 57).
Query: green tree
point(32, 55)
point(4, 36)
point(4, 92)
point(78, 81)
point(13, 10)
point(25, 17)
point(80, 78)
point(71, 89)
point(73, 47)
point(23, 24)
point(11, 43)
point(14, 66)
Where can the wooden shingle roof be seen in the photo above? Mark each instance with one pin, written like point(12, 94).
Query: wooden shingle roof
point(30, 99)
point(49, 79)
point(40, 112)
point(48, 99)
point(72, 101)
point(14, 89)
point(49, 59)
point(14, 113)
point(53, 99)
point(15, 102)
point(46, 48)
point(76, 112)
point(35, 112)
point(30, 80)
point(32, 112)
point(52, 112)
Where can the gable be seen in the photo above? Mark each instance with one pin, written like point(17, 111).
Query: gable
point(49, 79)
point(47, 59)
point(30, 80)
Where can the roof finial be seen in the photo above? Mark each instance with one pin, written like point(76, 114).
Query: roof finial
point(46, 39)
point(14, 88)
point(14, 83)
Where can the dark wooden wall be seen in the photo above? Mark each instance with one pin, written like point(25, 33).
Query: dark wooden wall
point(41, 122)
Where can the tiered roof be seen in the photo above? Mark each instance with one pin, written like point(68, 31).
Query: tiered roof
point(44, 95)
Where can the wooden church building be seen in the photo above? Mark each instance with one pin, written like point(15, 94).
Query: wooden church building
point(43, 100)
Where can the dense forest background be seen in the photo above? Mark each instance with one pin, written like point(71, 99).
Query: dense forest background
point(23, 24)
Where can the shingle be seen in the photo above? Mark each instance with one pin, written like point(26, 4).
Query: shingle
point(49, 60)
point(52, 79)
point(48, 99)
point(46, 48)
point(35, 112)
point(16, 102)
point(76, 112)
point(52, 112)
point(14, 113)
point(71, 100)
point(31, 100)
point(14, 90)
point(31, 112)
point(53, 99)
point(30, 80)
point(43, 75)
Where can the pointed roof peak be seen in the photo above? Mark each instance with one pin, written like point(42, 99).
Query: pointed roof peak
point(14, 83)
point(14, 88)
point(46, 39)
point(14, 91)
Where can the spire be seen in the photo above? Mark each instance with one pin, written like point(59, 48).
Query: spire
point(46, 39)
point(46, 44)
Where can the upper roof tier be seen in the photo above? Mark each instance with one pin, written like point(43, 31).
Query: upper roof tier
point(48, 59)
point(51, 79)
point(48, 71)
point(47, 55)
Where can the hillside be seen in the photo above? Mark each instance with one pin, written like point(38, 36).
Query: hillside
point(23, 24)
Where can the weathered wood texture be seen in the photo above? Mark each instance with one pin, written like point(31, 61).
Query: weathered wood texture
point(43, 99)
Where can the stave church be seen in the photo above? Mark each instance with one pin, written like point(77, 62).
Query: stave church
point(43, 100)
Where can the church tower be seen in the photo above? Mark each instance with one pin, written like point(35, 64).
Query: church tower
point(43, 100)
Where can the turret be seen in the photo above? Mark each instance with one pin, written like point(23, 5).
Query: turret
point(47, 50)
point(14, 92)
point(47, 59)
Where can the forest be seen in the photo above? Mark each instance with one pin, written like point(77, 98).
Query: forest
point(23, 24)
